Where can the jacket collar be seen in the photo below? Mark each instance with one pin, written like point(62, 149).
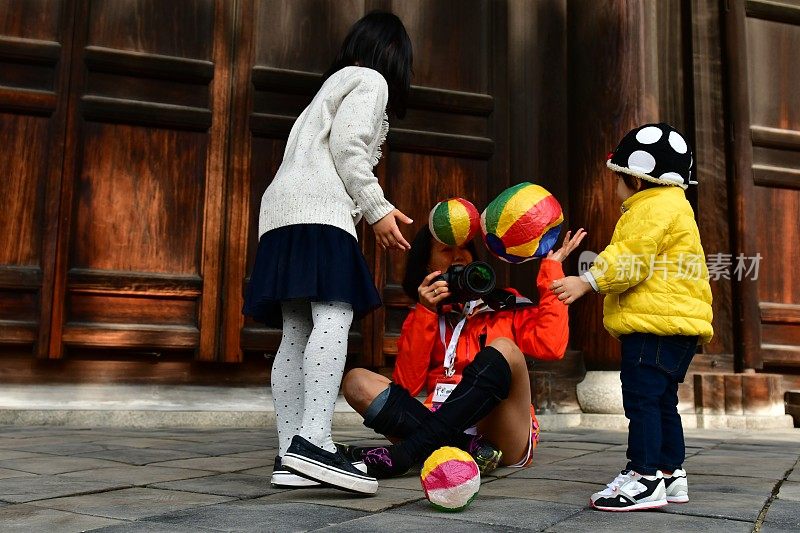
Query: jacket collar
point(646, 194)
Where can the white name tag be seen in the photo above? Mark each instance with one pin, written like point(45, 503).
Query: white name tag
point(442, 392)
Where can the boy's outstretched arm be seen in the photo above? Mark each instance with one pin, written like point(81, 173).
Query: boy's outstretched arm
point(620, 266)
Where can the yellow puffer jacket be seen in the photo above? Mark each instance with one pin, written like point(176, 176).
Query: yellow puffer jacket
point(654, 271)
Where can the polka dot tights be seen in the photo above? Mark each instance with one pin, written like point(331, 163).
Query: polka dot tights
point(308, 370)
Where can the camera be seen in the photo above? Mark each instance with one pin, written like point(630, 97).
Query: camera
point(468, 282)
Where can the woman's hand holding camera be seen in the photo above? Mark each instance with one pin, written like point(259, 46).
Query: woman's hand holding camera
point(432, 293)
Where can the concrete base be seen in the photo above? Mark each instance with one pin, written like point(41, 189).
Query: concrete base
point(160, 406)
point(601, 392)
point(145, 406)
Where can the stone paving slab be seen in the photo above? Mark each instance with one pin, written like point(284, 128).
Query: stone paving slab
point(386, 498)
point(710, 463)
point(731, 497)
point(790, 491)
point(546, 454)
point(143, 456)
point(130, 504)
point(494, 511)
point(256, 516)
point(574, 493)
point(145, 527)
point(731, 475)
point(381, 523)
point(233, 485)
point(28, 489)
point(564, 471)
point(783, 514)
point(25, 518)
point(55, 464)
point(223, 463)
point(650, 521)
point(136, 475)
point(14, 454)
point(5, 473)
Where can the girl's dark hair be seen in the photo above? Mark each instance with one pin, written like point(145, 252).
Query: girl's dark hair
point(418, 258)
point(379, 41)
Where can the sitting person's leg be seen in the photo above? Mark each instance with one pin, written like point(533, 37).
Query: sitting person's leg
point(485, 383)
point(387, 408)
point(508, 426)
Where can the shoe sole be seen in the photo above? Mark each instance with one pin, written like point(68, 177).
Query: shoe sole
point(635, 507)
point(678, 499)
point(328, 475)
point(289, 480)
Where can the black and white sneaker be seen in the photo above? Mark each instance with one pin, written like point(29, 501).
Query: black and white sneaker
point(677, 487)
point(286, 479)
point(631, 491)
point(328, 468)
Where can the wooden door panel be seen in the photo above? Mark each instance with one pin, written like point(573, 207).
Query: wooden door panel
point(177, 29)
point(31, 19)
point(763, 39)
point(34, 66)
point(143, 181)
point(450, 40)
point(139, 208)
point(317, 30)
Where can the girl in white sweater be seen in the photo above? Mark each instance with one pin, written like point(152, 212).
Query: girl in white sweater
point(310, 276)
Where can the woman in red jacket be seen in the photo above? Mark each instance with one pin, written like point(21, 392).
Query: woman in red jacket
point(481, 350)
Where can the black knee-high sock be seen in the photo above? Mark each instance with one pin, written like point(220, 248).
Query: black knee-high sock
point(402, 415)
point(485, 383)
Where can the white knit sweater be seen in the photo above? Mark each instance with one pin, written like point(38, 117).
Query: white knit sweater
point(326, 174)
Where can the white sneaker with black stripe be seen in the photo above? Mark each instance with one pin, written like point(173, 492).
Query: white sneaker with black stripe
point(286, 479)
point(631, 491)
point(677, 486)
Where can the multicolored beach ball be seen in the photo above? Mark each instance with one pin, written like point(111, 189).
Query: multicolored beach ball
point(522, 223)
point(454, 221)
point(450, 479)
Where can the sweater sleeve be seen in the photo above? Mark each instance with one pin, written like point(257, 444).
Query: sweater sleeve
point(627, 260)
point(417, 338)
point(543, 331)
point(356, 125)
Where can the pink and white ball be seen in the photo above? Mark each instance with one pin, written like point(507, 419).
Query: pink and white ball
point(450, 479)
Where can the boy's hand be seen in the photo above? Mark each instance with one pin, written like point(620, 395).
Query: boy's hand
point(569, 289)
point(388, 234)
point(567, 246)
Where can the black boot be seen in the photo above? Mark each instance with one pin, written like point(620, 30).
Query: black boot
point(485, 383)
point(399, 417)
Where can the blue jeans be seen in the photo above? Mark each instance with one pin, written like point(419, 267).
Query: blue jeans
point(652, 367)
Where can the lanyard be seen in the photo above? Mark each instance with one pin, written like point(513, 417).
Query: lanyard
point(450, 352)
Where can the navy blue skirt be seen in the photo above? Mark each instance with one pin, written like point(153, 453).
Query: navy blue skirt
point(313, 262)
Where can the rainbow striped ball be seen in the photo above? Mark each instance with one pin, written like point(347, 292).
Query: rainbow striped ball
point(522, 223)
point(450, 479)
point(454, 221)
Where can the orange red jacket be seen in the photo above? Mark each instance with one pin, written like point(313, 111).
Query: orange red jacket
point(540, 331)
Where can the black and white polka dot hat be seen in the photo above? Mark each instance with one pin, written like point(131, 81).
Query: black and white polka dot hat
point(654, 152)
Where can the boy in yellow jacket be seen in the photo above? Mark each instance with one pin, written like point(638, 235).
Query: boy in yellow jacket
point(658, 304)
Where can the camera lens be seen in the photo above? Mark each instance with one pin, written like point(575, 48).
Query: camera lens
point(479, 278)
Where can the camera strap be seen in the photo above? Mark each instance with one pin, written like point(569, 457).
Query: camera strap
point(450, 348)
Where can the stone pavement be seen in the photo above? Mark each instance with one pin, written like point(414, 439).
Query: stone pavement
point(128, 480)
